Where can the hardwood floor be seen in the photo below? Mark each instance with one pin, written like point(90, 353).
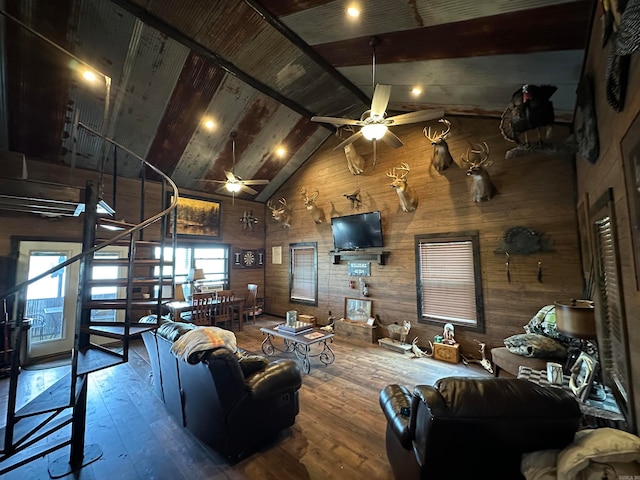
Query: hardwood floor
point(339, 432)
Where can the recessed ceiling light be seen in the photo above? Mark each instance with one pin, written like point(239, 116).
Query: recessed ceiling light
point(416, 91)
point(209, 124)
point(89, 76)
point(353, 12)
point(281, 151)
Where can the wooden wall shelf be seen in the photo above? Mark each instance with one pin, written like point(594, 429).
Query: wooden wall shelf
point(379, 255)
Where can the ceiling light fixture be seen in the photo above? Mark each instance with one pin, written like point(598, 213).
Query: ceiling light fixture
point(233, 187)
point(353, 12)
point(209, 124)
point(374, 131)
point(89, 76)
point(281, 151)
point(416, 91)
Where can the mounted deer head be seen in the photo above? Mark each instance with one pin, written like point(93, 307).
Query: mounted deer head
point(280, 213)
point(482, 188)
point(408, 198)
point(355, 162)
point(441, 157)
point(310, 202)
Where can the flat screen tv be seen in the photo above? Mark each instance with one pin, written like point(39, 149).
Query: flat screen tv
point(355, 232)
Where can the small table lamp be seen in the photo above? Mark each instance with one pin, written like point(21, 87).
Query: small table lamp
point(576, 318)
point(195, 274)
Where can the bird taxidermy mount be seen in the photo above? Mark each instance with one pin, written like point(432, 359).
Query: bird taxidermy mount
point(442, 158)
point(310, 202)
point(374, 122)
point(354, 198)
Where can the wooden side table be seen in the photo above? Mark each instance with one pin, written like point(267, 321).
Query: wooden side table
point(595, 414)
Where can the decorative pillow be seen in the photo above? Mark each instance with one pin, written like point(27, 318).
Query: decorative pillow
point(534, 345)
point(593, 448)
point(252, 363)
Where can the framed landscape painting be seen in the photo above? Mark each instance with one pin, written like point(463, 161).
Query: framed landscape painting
point(197, 217)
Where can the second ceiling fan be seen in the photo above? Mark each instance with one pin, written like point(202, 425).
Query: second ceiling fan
point(374, 122)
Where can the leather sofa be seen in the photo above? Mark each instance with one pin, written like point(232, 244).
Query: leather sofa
point(217, 398)
point(473, 427)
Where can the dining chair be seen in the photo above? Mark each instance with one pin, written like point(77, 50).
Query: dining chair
point(251, 305)
point(223, 311)
point(201, 308)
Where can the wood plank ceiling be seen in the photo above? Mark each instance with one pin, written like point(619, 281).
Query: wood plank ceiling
point(262, 69)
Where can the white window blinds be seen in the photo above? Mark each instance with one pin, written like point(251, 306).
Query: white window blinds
point(303, 273)
point(447, 281)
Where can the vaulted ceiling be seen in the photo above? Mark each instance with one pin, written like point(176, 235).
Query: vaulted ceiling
point(262, 69)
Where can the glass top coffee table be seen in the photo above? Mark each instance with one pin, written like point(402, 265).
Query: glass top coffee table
point(300, 344)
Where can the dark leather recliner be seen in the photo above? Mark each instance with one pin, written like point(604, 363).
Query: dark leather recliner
point(232, 413)
point(473, 427)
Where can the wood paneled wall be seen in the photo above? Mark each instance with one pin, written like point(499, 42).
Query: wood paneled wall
point(31, 226)
point(535, 191)
point(608, 172)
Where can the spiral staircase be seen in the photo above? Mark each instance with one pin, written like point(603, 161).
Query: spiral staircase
point(56, 417)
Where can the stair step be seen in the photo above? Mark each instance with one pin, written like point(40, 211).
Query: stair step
point(110, 223)
point(121, 304)
point(117, 330)
point(122, 282)
point(93, 358)
point(56, 397)
point(117, 262)
point(24, 429)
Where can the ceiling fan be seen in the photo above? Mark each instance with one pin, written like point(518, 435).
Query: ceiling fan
point(235, 183)
point(374, 122)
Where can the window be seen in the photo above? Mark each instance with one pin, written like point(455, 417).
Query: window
point(614, 344)
point(448, 280)
point(214, 262)
point(303, 276)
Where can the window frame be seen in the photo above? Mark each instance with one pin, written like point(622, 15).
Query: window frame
point(300, 246)
point(465, 236)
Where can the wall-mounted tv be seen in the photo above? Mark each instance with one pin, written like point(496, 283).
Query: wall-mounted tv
point(355, 232)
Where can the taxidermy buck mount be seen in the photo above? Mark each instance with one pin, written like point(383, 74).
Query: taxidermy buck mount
point(408, 198)
point(280, 214)
point(310, 202)
point(482, 189)
point(442, 158)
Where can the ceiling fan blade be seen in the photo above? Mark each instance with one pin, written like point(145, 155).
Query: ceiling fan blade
point(255, 182)
point(336, 121)
point(392, 139)
point(349, 140)
point(230, 176)
point(214, 181)
point(413, 117)
point(246, 189)
point(380, 100)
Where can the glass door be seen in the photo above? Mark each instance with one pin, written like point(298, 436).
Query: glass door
point(51, 301)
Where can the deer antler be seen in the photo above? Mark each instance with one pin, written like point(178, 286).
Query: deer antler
point(438, 136)
point(481, 150)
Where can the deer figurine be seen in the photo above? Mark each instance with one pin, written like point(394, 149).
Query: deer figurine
point(482, 188)
point(310, 202)
point(442, 158)
point(355, 162)
point(408, 198)
point(280, 213)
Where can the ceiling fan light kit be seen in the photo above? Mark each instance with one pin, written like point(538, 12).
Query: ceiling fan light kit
point(374, 131)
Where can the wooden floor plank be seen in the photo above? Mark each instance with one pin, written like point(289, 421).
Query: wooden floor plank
point(338, 434)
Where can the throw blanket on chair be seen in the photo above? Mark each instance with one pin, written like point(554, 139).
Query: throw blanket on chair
point(191, 346)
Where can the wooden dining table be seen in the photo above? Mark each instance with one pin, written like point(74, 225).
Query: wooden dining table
point(177, 307)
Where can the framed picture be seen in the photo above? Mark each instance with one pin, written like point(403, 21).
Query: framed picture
point(585, 239)
point(357, 310)
point(582, 373)
point(630, 147)
point(197, 217)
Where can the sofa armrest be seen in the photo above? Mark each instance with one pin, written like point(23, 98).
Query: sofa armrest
point(395, 401)
point(278, 377)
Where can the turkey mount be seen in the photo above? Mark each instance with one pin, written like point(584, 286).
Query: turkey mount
point(530, 108)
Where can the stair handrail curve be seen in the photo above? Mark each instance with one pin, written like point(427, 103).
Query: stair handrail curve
point(111, 241)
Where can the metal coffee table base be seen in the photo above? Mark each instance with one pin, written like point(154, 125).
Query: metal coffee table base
point(300, 345)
